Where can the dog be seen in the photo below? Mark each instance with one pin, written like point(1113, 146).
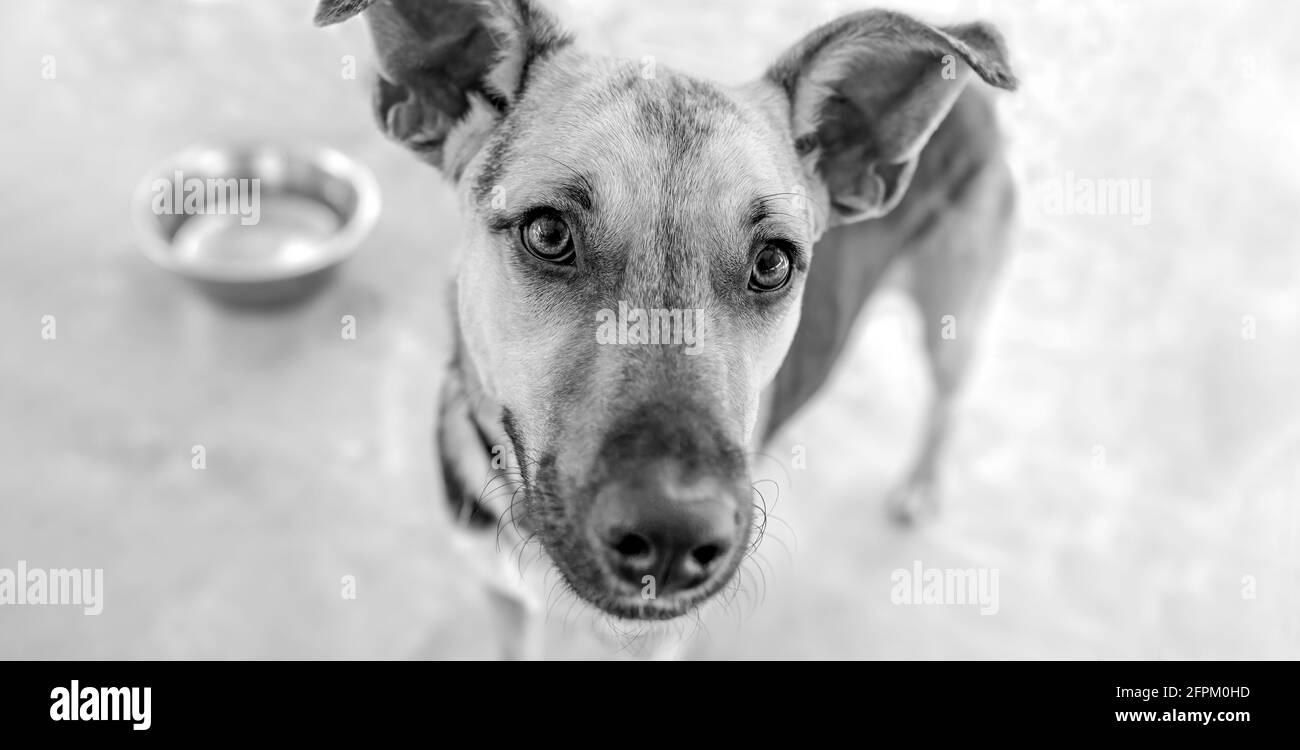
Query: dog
point(605, 205)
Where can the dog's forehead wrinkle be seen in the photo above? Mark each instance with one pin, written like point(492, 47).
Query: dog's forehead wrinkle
point(600, 115)
point(702, 164)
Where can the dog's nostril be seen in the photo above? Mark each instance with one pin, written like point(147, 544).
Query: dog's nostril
point(681, 532)
point(705, 554)
point(632, 545)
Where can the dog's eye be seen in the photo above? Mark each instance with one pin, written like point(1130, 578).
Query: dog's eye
point(771, 269)
point(547, 237)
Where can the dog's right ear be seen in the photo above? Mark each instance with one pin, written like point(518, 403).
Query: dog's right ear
point(440, 59)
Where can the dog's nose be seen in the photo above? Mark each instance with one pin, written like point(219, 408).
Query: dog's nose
point(678, 532)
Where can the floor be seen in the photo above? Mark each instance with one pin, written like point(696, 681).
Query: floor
point(1127, 455)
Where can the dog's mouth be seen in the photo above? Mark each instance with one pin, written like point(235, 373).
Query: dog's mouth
point(614, 597)
point(627, 602)
point(635, 608)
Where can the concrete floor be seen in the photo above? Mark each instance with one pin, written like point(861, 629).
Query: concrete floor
point(1124, 456)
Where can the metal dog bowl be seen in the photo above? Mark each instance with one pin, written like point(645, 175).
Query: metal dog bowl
point(259, 225)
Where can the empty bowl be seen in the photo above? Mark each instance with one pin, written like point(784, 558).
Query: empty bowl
point(255, 225)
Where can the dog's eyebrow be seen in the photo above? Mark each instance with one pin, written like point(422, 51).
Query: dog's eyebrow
point(565, 193)
point(573, 189)
point(577, 193)
point(561, 194)
point(578, 190)
point(769, 206)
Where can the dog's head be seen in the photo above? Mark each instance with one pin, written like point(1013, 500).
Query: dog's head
point(635, 251)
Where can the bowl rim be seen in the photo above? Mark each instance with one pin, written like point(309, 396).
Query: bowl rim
point(340, 245)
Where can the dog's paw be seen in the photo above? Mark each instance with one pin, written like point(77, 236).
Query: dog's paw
point(912, 502)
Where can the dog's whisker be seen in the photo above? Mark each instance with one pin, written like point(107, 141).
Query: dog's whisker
point(553, 596)
point(787, 527)
point(789, 479)
point(518, 553)
point(761, 590)
point(745, 590)
point(759, 522)
point(497, 475)
point(502, 521)
point(568, 614)
point(508, 516)
point(559, 597)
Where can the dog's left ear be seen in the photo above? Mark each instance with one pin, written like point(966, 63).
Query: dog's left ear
point(442, 59)
point(866, 91)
